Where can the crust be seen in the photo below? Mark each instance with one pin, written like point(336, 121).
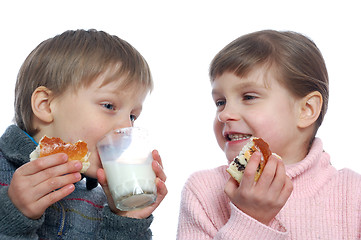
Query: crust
point(49, 146)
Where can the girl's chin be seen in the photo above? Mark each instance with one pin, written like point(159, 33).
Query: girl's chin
point(231, 154)
point(233, 148)
point(235, 145)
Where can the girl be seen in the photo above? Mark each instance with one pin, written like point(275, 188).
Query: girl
point(272, 85)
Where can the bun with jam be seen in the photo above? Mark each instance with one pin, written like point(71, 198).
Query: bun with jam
point(238, 165)
point(49, 146)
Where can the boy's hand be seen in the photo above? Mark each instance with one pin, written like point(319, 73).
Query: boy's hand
point(261, 200)
point(40, 183)
point(159, 181)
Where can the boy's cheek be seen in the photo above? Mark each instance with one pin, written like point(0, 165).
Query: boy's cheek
point(95, 164)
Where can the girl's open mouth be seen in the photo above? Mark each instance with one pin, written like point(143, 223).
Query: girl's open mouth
point(237, 136)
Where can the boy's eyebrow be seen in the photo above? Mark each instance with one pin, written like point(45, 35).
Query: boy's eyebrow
point(106, 91)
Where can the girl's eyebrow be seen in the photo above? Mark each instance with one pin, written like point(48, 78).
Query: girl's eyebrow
point(214, 92)
point(249, 84)
point(241, 85)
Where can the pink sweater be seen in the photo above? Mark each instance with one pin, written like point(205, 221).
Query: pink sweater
point(325, 204)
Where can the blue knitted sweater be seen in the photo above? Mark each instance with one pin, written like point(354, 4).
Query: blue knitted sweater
point(83, 214)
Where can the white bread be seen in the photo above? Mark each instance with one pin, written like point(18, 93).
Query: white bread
point(238, 165)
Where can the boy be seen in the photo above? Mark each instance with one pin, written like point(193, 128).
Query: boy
point(77, 85)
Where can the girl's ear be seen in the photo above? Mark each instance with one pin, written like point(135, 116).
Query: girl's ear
point(310, 109)
point(40, 103)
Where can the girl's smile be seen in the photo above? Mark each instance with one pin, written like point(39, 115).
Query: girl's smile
point(236, 136)
point(255, 105)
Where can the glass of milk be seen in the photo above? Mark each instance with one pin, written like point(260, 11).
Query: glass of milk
point(127, 160)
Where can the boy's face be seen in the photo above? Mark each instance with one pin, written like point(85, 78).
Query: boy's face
point(254, 105)
point(91, 112)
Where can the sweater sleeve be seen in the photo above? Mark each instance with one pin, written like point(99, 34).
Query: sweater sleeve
point(242, 226)
point(193, 221)
point(124, 228)
point(200, 216)
point(13, 224)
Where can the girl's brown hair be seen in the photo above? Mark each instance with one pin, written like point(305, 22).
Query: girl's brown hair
point(293, 56)
point(74, 59)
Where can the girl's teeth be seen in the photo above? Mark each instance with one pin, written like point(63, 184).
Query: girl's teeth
point(236, 137)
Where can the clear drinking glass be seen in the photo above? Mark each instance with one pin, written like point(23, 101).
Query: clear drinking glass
point(126, 157)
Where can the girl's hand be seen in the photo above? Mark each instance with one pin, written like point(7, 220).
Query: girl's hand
point(40, 183)
point(261, 200)
point(159, 181)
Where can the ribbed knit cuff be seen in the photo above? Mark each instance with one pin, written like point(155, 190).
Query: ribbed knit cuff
point(12, 221)
point(242, 226)
point(124, 228)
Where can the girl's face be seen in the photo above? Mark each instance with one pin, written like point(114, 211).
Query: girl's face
point(255, 105)
point(91, 112)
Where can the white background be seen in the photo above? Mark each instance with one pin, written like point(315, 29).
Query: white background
point(179, 39)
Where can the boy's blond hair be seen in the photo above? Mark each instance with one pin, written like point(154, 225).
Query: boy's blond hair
point(295, 58)
point(74, 59)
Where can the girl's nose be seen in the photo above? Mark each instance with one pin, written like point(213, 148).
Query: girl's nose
point(228, 114)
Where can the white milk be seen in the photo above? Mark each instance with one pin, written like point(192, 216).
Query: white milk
point(131, 185)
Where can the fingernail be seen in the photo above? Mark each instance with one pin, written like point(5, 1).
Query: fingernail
point(276, 155)
point(78, 165)
point(77, 176)
point(65, 157)
point(161, 167)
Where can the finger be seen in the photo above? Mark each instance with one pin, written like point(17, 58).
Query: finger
point(156, 157)
point(269, 172)
point(286, 190)
point(279, 179)
point(54, 197)
point(43, 163)
point(59, 170)
point(162, 191)
point(101, 176)
point(147, 211)
point(54, 184)
point(158, 170)
point(250, 171)
point(230, 187)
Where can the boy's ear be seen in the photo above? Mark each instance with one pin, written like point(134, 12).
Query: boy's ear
point(310, 109)
point(40, 103)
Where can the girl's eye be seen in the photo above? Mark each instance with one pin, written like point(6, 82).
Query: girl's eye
point(108, 106)
point(249, 97)
point(220, 103)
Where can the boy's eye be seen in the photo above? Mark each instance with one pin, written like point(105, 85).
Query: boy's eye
point(133, 118)
point(108, 106)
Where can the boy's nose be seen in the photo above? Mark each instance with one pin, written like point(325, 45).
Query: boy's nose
point(123, 122)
